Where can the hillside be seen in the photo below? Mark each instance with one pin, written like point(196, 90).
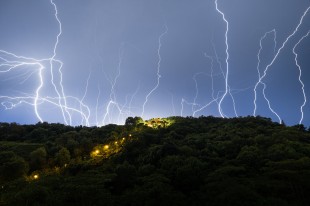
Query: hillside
point(172, 161)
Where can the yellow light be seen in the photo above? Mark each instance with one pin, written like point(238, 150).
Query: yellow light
point(97, 151)
point(129, 135)
point(35, 177)
point(106, 147)
point(115, 142)
point(123, 138)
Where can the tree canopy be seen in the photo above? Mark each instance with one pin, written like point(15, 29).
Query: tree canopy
point(170, 161)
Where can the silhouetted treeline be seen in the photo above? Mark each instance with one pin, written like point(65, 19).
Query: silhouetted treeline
point(175, 161)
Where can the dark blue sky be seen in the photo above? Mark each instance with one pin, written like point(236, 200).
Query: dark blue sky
point(113, 52)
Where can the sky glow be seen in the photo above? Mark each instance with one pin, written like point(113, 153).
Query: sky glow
point(98, 62)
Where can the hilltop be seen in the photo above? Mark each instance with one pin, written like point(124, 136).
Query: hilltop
point(162, 161)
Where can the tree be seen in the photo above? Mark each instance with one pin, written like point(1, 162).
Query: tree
point(39, 134)
point(250, 156)
point(12, 166)
point(38, 159)
point(32, 195)
point(62, 157)
point(300, 127)
point(133, 121)
point(130, 121)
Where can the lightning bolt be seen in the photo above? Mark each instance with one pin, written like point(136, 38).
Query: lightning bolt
point(52, 60)
point(226, 75)
point(194, 104)
point(212, 73)
point(227, 59)
point(49, 76)
point(11, 61)
point(197, 91)
point(299, 77)
point(229, 90)
point(131, 99)
point(158, 69)
point(82, 101)
point(97, 105)
point(261, 77)
point(276, 56)
point(182, 106)
point(22, 61)
point(258, 66)
point(113, 102)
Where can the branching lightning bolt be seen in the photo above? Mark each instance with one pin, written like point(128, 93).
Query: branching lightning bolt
point(158, 69)
point(224, 76)
point(131, 99)
point(20, 62)
point(10, 62)
point(299, 77)
point(276, 56)
point(52, 60)
point(227, 59)
point(194, 104)
point(212, 73)
point(258, 66)
point(82, 102)
point(196, 93)
point(213, 100)
point(70, 107)
point(112, 101)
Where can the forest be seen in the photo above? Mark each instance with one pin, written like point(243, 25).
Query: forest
point(171, 161)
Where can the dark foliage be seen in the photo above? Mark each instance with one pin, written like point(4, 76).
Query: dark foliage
point(194, 161)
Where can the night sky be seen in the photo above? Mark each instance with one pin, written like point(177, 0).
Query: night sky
point(105, 60)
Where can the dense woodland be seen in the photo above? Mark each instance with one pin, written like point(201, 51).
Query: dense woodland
point(187, 161)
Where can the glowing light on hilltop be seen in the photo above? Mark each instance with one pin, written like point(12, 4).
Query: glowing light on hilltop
point(156, 123)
